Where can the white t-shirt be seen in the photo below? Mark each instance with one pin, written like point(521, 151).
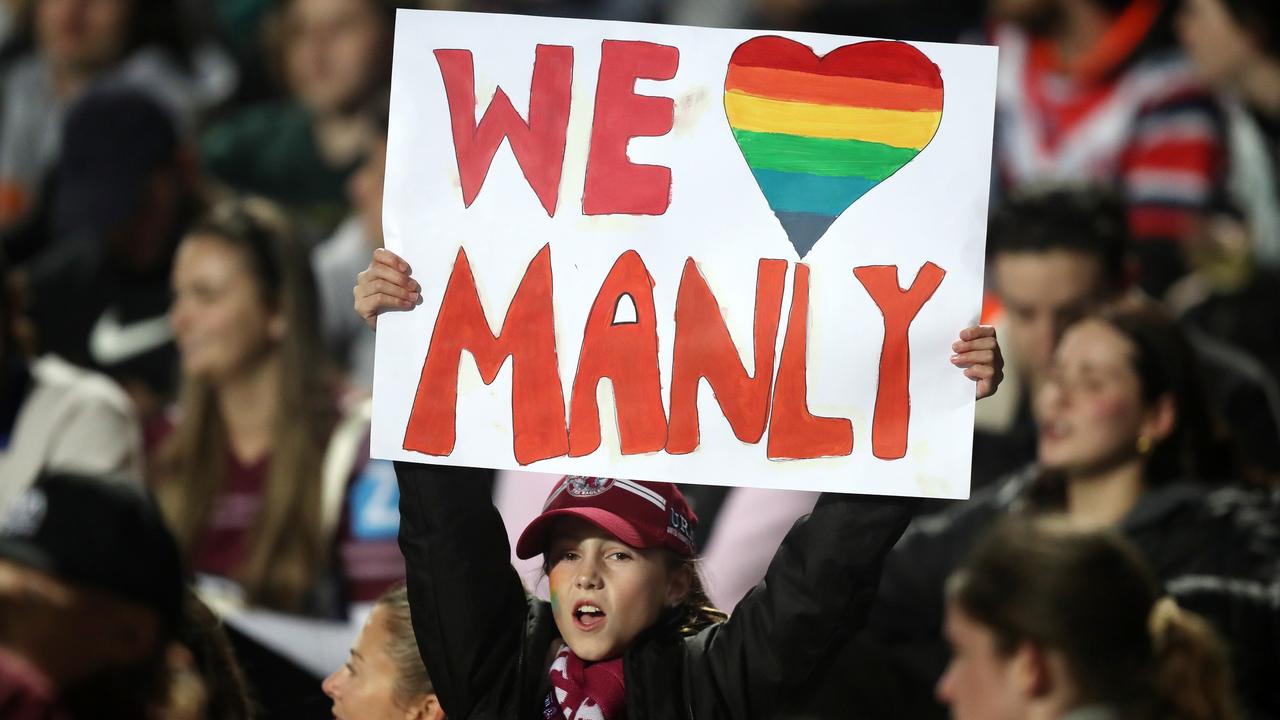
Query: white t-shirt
point(73, 420)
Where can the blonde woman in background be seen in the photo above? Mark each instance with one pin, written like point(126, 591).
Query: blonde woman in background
point(384, 677)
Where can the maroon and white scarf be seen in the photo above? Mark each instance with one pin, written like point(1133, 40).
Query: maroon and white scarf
point(585, 691)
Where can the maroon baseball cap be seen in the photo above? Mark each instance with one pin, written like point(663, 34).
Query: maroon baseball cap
point(640, 514)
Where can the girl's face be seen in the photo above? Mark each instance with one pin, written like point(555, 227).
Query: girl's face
point(1089, 408)
point(335, 51)
point(604, 593)
point(219, 319)
point(364, 688)
point(980, 683)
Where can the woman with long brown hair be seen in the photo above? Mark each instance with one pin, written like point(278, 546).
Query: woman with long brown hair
point(251, 477)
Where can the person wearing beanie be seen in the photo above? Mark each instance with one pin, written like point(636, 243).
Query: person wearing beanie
point(90, 595)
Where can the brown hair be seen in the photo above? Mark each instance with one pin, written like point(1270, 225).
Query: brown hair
point(220, 690)
point(1088, 596)
point(412, 680)
point(696, 612)
point(285, 557)
point(1165, 363)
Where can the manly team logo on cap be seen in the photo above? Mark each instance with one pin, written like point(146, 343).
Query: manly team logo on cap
point(640, 514)
point(579, 486)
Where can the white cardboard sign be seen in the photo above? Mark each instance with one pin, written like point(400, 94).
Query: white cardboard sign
point(671, 253)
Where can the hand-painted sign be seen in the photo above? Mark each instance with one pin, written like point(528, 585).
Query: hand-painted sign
point(609, 289)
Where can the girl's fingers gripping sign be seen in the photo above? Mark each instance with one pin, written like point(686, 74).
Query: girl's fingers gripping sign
point(385, 285)
point(978, 352)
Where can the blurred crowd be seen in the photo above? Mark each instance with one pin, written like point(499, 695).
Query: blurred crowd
point(188, 191)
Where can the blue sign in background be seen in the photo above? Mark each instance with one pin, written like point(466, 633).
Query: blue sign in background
point(375, 502)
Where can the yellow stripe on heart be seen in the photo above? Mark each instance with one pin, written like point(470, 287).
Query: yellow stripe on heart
point(899, 128)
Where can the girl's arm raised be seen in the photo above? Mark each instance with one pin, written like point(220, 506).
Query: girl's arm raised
point(815, 596)
point(821, 583)
point(467, 602)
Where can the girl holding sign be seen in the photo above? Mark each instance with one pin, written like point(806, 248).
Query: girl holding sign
point(628, 632)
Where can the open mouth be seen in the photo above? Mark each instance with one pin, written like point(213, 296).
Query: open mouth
point(1052, 430)
point(588, 616)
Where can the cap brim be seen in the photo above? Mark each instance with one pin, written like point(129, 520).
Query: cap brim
point(534, 538)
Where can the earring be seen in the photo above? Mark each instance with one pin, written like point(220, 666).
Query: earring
point(1144, 444)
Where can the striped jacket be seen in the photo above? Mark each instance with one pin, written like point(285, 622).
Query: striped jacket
point(1144, 125)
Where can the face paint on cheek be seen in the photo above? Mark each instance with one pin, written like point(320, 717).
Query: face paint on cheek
point(555, 602)
point(1113, 409)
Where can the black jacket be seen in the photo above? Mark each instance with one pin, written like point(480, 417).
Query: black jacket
point(1215, 550)
point(487, 645)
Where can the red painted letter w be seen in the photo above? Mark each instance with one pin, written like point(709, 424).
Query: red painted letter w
point(538, 145)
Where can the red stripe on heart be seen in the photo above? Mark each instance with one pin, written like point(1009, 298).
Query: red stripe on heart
point(883, 60)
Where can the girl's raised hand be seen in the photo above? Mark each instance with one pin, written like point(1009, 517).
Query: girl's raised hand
point(385, 285)
point(978, 352)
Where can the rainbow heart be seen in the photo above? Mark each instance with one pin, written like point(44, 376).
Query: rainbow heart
point(818, 133)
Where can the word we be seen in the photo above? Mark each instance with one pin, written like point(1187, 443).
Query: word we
point(613, 184)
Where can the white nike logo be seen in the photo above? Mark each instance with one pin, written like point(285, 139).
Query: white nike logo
point(110, 342)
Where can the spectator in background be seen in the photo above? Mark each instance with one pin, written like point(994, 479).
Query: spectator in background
point(90, 595)
point(125, 191)
point(1234, 289)
point(335, 55)
point(344, 254)
point(1229, 294)
point(1055, 254)
point(69, 46)
point(384, 677)
point(1048, 621)
point(1235, 45)
point(1052, 256)
point(1093, 90)
point(1125, 441)
point(255, 475)
point(54, 416)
